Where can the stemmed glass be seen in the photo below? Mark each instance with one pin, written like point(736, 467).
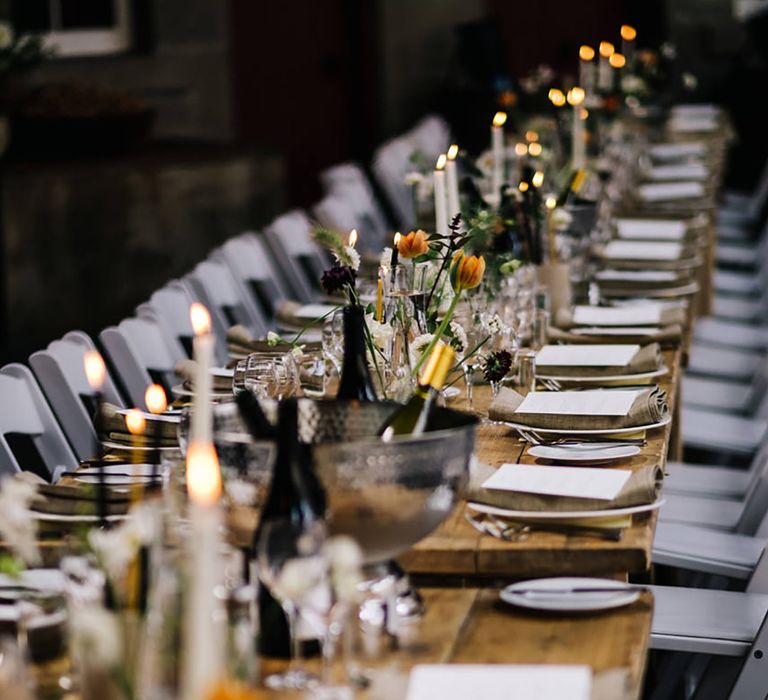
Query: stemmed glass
point(293, 566)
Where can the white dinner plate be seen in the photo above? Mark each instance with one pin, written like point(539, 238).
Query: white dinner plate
point(37, 579)
point(163, 417)
point(668, 293)
point(73, 519)
point(138, 469)
point(602, 431)
point(114, 479)
point(181, 391)
point(549, 515)
point(535, 594)
point(589, 455)
point(624, 378)
point(108, 444)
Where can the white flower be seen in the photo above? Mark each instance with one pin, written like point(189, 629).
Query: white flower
point(633, 84)
point(6, 35)
point(273, 338)
point(385, 259)
point(485, 163)
point(413, 178)
point(96, 636)
point(345, 559)
point(381, 332)
point(446, 297)
point(299, 576)
point(459, 342)
point(354, 257)
point(419, 344)
point(17, 526)
point(116, 548)
point(561, 219)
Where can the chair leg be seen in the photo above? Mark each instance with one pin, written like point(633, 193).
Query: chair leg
point(717, 681)
point(669, 676)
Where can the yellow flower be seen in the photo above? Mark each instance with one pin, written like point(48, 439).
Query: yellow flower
point(231, 690)
point(466, 271)
point(412, 244)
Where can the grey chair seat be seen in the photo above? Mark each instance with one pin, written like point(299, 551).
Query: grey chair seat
point(726, 363)
point(737, 282)
point(709, 551)
point(737, 308)
point(737, 254)
point(731, 334)
point(713, 513)
point(698, 479)
point(715, 393)
point(706, 621)
point(714, 430)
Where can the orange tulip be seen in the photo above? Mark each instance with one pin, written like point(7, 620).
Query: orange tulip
point(467, 271)
point(413, 244)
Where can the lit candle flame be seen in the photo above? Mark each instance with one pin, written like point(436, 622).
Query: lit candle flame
point(135, 422)
point(586, 53)
point(499, 119)
point(531, 136)
point(95, 370)
point(397, 239)
point(201, 319)
point(352, 238)
point(523, 186)
point(453, 151)
point(535, 149)
point(628, 32)
point(606, 49)
point(521, 149)
point(538, 179)
point(617, 60)
point(441, 162)
point(557, 97)
point(576, 96)
point(155, 399)
point(550, 203)
point(584, 114)
point(203, 474)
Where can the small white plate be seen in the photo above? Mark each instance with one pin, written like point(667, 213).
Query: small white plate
point(548, 515)
point(138, 469)
point(74, 519)
point(591, 455)
point(181, 391)
point(623, 378)
point(602, 431)
point(163, 417)
point(108, 444)
point(38, 579)
point(114, 479)
point(569, 601)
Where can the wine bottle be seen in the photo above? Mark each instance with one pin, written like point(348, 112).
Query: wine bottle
point(572, 188)
point(253, 416)
point(356, 382)
point(295, 494)
point(412, 418)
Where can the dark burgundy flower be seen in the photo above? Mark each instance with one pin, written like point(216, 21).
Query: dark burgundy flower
point(336, 278)
point(496, 365)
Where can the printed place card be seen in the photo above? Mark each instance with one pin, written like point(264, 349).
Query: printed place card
point(651, 229)
point(670, 191)
point(646, 315)
point(586, 355)
point(579, 403)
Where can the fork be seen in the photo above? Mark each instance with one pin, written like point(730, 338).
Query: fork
point(596, 443)
point(520, 532)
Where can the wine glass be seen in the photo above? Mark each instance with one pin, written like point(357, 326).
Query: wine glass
point(292, 565)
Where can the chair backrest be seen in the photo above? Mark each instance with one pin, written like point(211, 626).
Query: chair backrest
point(61, 374)
point(337, 211)
point(754, 513)
point(289, 238)
point(391, 163)
point(350, 181)
point(139, 353)
point(213, 283)
point(254, 271)
point(30, 437)
point(431, 136)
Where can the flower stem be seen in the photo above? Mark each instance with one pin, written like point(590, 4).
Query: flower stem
point(438, 333)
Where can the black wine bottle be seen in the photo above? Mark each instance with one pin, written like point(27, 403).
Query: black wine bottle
point(253, 416)
point(356, 382)
point(295, 494)
point(572, 187)
point(412, 418)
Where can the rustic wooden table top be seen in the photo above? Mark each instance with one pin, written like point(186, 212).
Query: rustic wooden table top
point(457, 549)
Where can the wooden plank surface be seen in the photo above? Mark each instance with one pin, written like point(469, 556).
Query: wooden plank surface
point(458, 549)
point(473, 626)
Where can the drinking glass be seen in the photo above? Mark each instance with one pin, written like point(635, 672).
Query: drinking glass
point(292, 565)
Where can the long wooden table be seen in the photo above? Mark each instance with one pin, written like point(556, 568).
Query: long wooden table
point(472, 626)
point(456, 549)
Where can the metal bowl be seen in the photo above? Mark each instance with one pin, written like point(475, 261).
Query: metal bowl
point(386, 495)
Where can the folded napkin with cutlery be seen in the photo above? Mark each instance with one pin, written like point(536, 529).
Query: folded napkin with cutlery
point(646, 359)
point(293, 314)
point(241, 342)
point(666, 336)
point(568, 319)
point(187, 371)
point(642, 488)
point(648, 406)
point(74, 499)
point(158, 432)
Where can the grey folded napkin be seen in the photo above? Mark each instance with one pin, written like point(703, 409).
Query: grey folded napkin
point(670, 316)
point(241, 342)
point(647, 359)
point(73, 499)
point(650, 406)
point(666, 336)
point(158, 432)
point(642, 488)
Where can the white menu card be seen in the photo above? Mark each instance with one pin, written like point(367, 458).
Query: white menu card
point(645, 250)
point(668, 191)
point(586, 355)
point(651, 229)
point(675, 151)
point(686, 171)
point(596, 402)
point(646, 315)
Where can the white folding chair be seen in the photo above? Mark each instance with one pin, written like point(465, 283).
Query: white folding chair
point(30, 437)
point(60, 371)
point(289, 239)
point(254, 272)
point(140, 356)
point(212, 282)
point(391, 163)
point(431, 136)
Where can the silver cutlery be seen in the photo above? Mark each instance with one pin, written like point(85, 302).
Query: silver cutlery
point(519, 532)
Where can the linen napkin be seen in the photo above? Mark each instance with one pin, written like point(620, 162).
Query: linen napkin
point(71, 499)
point(241, 342)
point(642, 488)
point(113, 427)
point(647, 359)
point(666, 336)
point(668, 316)
point(650, 406)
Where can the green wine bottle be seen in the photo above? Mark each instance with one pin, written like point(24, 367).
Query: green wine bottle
point(411, 419)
